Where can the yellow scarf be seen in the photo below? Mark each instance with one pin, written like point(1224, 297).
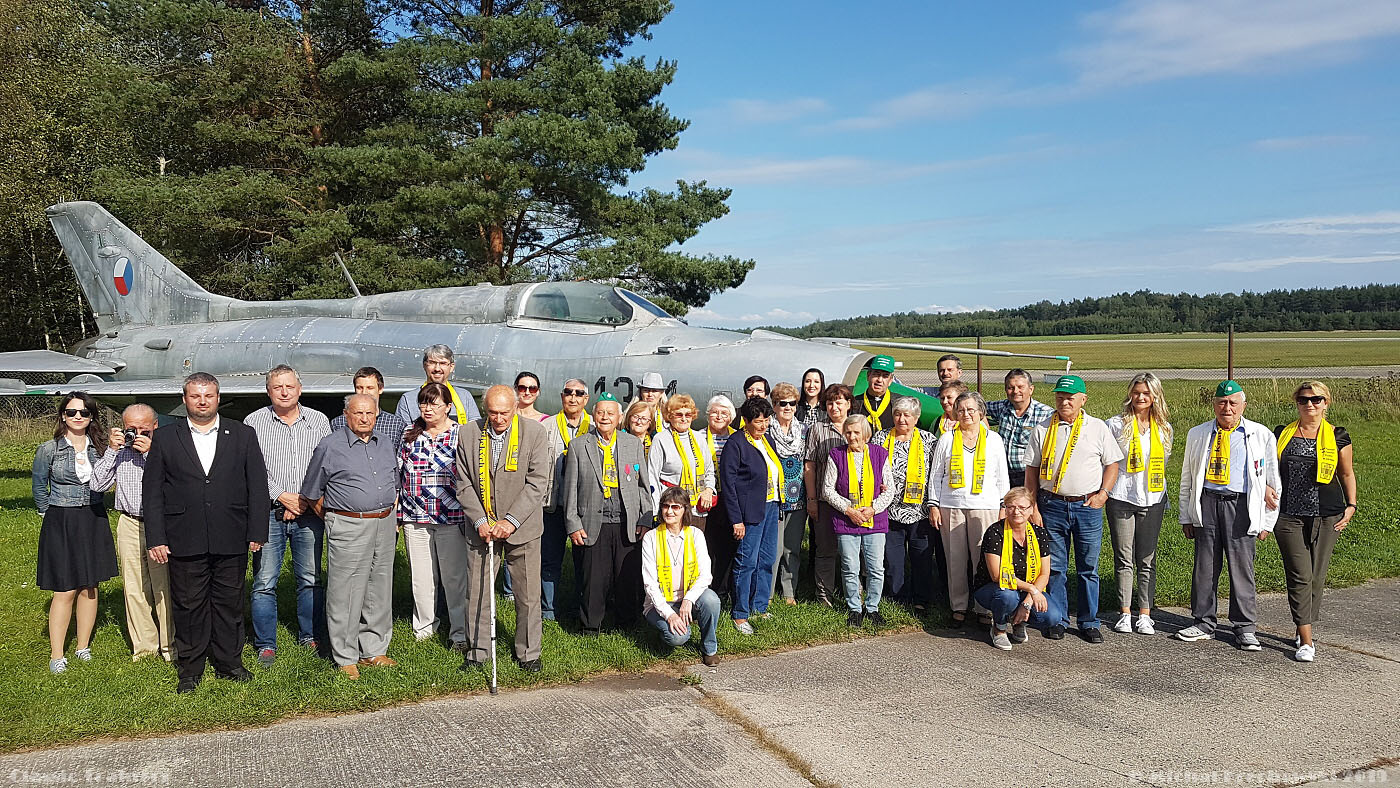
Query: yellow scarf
point(690, 568)
point(945, 424)
point(690, 472)
point(776, 480)
point(1008, 564)
point(860, 488)
point(1326, 448)
point(957, 477)
point(915, 468)
point(609, 465)
point(483, 462)
point(1218, 466)
point(874, 413)
point(1047, 449)
point(714, 455)
point(561, 422)
point(456, 401)
point(1156, 464)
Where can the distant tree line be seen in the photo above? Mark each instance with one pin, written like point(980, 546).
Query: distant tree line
point(1369, 307)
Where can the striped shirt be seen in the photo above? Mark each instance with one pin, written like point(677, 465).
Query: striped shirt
point(287, 448)
point(126, 466)
point(1016, 430)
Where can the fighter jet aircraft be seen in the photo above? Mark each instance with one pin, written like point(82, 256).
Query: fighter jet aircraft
point(157, 326)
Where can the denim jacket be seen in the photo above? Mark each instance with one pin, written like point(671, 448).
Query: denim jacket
point(55, 479)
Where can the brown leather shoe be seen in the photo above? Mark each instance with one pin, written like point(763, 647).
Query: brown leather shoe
point(380, 661)
point(710, 660)
point(351, 672)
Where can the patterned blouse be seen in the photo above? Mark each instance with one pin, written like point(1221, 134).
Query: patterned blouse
point(427, 479)
point(810, 414)
point(899, 511)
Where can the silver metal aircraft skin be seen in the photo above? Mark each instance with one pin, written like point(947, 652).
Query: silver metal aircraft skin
point(157, 326)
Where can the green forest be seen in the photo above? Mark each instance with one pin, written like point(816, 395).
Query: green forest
point(1369, 307)
point(426, 143)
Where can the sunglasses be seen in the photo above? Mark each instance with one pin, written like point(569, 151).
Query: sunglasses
point(575, 393)
point(524, 389)
point(787, 403)
point(1315, 400)
point(671, 507)
point(81, 413)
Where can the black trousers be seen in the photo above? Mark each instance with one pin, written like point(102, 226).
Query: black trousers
point(610, 579)
point(207, 594)
point(722, 547)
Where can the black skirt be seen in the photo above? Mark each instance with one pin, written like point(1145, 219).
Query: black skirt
point(75, 548)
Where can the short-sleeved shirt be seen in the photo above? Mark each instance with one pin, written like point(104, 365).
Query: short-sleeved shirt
point(353, 475)
point(1095, 449)
point(991, 543)
point(1015, 431)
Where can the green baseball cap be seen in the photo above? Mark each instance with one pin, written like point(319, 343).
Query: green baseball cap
point(882, 364)
point(1070, 384)
point(604, 397)
point(1226, 388)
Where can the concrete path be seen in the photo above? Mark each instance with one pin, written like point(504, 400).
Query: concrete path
point(921, 708)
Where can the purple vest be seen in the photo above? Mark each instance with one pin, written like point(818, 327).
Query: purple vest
point(839, 523)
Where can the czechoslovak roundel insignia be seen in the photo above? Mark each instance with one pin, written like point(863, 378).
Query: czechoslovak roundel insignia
point(122, 274)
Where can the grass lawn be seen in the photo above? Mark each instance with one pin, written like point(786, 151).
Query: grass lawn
point(114, 697)
point(1171, 351)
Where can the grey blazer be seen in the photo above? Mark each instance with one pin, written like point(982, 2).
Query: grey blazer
point(583, 485)
point(518, 494)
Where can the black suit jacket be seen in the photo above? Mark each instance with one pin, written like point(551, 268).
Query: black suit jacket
point(194, 513)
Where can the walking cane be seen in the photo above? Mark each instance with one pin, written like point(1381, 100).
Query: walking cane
point(491, 575)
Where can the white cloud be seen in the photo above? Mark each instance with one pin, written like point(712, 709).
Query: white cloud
point(1250, 266)
point(936, 309)
point(952, 100)
point(846, 170)
point(1378, 223)
point(1277, 144)
point(751, 112)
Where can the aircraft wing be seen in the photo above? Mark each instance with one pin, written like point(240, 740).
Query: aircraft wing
point(37, 361)
point(229, 385)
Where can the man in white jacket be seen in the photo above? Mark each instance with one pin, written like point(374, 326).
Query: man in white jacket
point(1229, 500)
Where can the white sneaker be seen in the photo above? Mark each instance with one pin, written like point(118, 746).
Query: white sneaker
point(1124, 623)
point(84, 654)
point(59, 665)
point(1145, 626)
point(1000, 639)
point(1193, 633)
point(1304, 653)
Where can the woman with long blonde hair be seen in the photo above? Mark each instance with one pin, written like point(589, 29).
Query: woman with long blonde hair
point(1139, 497)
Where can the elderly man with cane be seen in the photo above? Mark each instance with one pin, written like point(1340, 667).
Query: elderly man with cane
point(503, 467)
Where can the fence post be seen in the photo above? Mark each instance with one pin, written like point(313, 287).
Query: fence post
point(979, 366)
point(1230, 354)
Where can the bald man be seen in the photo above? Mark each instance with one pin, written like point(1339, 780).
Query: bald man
point(146, 583)
point(503, 470)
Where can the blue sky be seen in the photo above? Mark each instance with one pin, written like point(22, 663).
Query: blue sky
point(926, 156)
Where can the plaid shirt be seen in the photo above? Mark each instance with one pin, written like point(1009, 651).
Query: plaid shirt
point(427, 480)
point(1016, 430)
point(126, 467)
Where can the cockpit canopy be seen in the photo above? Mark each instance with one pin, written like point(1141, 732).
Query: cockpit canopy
point(587, 302)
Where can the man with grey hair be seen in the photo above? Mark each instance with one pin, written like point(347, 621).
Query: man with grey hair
point(438, 365)
point(1229, 498)
point(288, 433)
point(352, 481)
point(145, 582)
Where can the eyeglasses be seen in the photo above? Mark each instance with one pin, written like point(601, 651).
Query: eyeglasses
point(575, 393)
point(1313, 400)
point(82, 413)
point(1022, 508)
point(682, 414)
point(671, 507)
point(786, 403)
point(524, 389)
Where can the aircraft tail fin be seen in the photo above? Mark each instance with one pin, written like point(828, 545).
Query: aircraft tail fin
point(125, 280)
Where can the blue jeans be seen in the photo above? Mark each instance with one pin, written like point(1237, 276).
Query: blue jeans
point(307, 535)
point(753, 564)
point(704, 614)
point(552, 560)
point(1084, 524)
point(1003, 601)
point(867, 550)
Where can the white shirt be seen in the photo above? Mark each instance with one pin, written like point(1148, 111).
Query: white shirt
point(81, 465)
point(205, 443)
point(1131, 488)
point(675, 545)
point(995, 481)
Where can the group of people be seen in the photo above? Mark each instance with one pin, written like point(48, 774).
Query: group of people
point(669, 513)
